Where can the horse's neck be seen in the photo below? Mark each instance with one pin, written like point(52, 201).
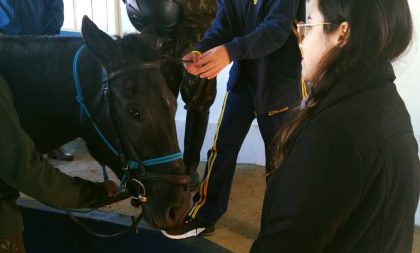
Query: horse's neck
point(39, 73)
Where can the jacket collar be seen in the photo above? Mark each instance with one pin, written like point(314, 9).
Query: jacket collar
point(379, 75)
point(376, 76)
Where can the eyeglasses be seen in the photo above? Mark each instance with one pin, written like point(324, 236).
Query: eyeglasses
point(304, 29)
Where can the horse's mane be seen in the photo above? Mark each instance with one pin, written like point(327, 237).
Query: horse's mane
point(37, 38)
point(18, 46)
point(141, 46)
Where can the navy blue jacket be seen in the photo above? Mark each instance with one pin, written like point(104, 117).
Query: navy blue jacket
point(25, 17)
point(261, 30)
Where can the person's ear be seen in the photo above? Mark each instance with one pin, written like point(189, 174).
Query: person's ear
point(341, 34)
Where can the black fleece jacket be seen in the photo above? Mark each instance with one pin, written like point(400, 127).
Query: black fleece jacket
point(350, 183)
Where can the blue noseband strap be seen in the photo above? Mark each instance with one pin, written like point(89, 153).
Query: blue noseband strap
point(163, 159)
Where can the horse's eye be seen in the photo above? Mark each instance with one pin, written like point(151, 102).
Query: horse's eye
point(135, 113)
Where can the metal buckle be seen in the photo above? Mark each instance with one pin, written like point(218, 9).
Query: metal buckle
point(140, 198)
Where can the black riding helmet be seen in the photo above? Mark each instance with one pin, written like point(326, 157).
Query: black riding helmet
point(163, 14)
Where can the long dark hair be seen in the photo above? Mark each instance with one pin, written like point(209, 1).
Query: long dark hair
point(380, 30)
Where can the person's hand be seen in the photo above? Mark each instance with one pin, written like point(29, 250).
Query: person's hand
point(111, 188)
point(189, 62)
point(212, 62)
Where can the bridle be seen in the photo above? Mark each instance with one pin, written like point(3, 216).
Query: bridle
point(134, 167)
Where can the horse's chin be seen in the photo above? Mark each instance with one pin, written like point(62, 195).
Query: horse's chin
point(159, 223)
point(155, 222)
point(149, 218)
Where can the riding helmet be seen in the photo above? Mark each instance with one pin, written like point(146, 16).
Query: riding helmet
point(163, 14)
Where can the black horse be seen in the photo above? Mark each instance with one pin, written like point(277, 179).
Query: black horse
point(128, 101)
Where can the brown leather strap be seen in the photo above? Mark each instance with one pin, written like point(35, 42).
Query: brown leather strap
point(122, 70)
point(176, 179)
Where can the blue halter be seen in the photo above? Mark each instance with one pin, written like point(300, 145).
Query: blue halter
point(132, 165)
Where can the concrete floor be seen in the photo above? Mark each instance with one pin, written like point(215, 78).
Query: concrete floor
point(416, 243)
point(236, 230)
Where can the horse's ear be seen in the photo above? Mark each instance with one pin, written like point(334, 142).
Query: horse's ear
point(100, 43)
point(149, 37)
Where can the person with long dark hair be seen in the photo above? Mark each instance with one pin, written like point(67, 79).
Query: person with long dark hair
point(347, 166)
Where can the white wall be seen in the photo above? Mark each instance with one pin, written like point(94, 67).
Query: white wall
point(408, 72)
point(253, 148)
point(408, 78)
point(126, 26)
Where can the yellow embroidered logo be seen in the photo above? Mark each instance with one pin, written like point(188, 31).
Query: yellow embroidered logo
point(271, 113)
point(255, 2)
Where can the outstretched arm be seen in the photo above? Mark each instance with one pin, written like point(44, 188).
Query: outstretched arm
point(269, 36)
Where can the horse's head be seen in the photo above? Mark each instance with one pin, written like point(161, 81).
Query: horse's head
point(139, 109)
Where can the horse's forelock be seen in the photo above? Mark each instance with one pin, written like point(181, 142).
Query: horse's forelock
point(140, 45)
